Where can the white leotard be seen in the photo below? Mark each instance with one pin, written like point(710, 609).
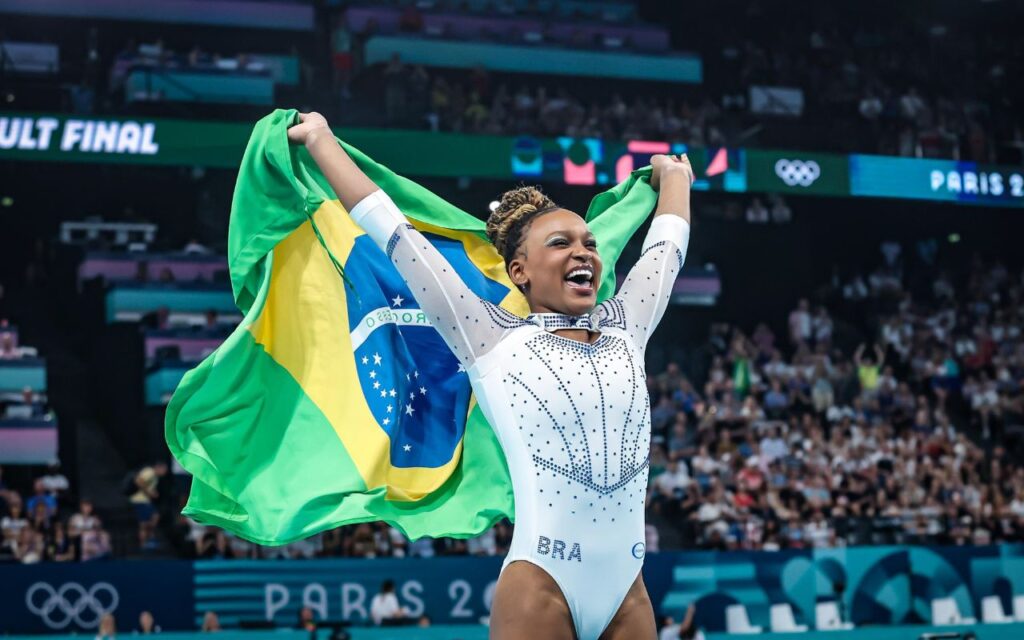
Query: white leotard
point(573, 419)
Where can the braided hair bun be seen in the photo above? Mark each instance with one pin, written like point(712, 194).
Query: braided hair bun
point(513, 214)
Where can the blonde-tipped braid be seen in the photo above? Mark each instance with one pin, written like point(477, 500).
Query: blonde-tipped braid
point(516, 208)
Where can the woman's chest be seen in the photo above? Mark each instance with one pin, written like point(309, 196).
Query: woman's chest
point(606, 376)
point(579, 410)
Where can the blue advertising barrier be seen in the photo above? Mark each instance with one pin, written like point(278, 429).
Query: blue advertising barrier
point(870, 585)
point(71, 597)
point(449, 590)
point(888, 585)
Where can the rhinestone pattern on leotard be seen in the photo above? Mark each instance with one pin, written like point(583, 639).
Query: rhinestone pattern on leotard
point(580, 430)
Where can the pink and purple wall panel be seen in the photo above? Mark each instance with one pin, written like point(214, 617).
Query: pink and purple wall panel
point(28, 441)
point(648, 38)
point(125, 267)
point(192, 349)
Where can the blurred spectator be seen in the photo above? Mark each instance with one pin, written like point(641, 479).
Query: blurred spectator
point(385, 606)
point(211, 623)
point(59, 546)
point(306, 621)
point(395, 89)
point(108, 627)
point(781, 213)
point(83, 520)
point(42, 498)
point(144, 499)
point(7, 349)
point(29, 547)
point(194, 247)
point(147, 625)
point(757, 213)
point(800, 323)
point(95, 545)
point(341, 57)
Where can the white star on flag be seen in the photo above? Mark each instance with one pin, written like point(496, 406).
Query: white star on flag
point(409, 409)
point(412, 396)
point(366, 360)
point(407, 377)
point(398, 300)
point(387, 421)
point(461, 369)
point(415, 374)
point(376, 358)
point(423, 391)
point(389, 408)
point(383, 393)
point(407, 448)
point(376, 384)
point(392, 393)
point(373, 374)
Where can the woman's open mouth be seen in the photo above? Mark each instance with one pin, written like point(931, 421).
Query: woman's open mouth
point(581, 280)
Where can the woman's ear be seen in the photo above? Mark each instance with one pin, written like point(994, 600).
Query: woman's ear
point(517, 273)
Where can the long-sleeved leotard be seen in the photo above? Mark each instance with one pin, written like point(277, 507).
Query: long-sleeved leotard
point(573, 419)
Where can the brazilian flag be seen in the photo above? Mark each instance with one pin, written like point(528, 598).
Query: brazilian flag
point(335, 401)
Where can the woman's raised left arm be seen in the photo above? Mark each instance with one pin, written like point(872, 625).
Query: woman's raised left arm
point(644, 296)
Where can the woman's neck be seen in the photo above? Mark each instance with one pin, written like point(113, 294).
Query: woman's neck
point(579, 335)
point(585, 335)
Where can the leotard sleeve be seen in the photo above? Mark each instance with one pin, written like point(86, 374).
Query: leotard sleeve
point(470, 325)
point(643, 297)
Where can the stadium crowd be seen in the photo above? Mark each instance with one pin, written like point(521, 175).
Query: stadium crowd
point(863, 87)
point(44, 527)
point(876, 417)
point(867, 85)
point(900, 121)
point(826, 447)
point(765, 442)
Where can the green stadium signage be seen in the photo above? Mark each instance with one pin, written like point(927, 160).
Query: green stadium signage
point(72, 134)
point(797, 172)
point(125, 140)
point(576, 161)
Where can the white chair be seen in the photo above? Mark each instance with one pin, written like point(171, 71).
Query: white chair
point(736, 620)
point(827, 618)
point(782, 618)
point(1018, 608)
point(992, 610)
point(945, 612)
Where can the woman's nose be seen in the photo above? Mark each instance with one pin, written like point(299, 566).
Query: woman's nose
point(583, 252)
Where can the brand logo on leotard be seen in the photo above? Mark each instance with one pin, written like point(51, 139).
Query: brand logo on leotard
point(556, 549)
point(638, 550)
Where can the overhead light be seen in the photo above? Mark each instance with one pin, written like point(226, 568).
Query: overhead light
point(7, 201)
point(954, 238)
point(494, 205)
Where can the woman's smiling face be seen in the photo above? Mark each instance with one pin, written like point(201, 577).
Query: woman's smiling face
point(559, 264)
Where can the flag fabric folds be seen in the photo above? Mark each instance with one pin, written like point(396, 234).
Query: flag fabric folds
point(335, 401)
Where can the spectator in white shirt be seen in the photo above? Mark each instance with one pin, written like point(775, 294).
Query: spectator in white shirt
point(773, 446)
point(385, 606)
point(800, 322)
point(84, 520)
point(674, 479)
point(54, 482)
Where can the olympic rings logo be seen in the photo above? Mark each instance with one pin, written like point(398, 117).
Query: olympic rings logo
point(71, 603)
point(797, 172)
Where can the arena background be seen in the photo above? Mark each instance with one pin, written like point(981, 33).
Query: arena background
point(860, 181)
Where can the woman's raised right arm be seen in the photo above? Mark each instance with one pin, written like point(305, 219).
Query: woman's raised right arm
point(347, 180)
point(469, 325)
